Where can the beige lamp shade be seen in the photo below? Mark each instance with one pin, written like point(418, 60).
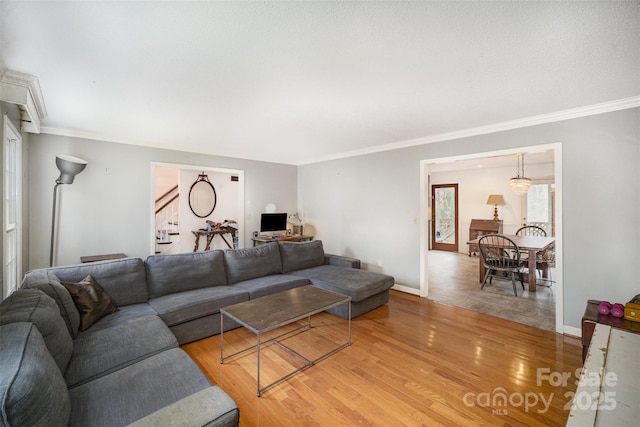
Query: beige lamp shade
point(495, 200)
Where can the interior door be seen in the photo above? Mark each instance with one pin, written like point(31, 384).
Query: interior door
point(444, 217)
point(11, 237)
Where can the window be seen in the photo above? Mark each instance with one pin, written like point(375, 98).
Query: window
point(12, 211)
point(540, 206)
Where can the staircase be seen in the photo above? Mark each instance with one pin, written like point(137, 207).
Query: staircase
point(167, 220)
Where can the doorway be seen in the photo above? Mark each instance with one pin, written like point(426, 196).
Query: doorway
point(425, 211)
point(173, 220)
point(444, 217)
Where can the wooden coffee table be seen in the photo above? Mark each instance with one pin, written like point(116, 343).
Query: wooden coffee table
point(270, 312)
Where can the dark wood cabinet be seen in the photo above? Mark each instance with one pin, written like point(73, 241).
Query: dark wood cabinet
point(592, 316)
point(480, 227)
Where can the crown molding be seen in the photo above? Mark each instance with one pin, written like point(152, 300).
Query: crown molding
point(606, 107)
point(24, 91)
point(589, 110)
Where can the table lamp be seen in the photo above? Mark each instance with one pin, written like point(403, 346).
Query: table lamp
point(495, 200)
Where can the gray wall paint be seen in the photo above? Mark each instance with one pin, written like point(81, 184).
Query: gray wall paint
point(365, 206)
point(111, 212)
point(368, 206)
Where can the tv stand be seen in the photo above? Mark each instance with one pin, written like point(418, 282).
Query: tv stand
point(280, 238)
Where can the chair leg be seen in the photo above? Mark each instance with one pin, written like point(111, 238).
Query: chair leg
point(513, 283)
point(521, 281)
point(484, 282)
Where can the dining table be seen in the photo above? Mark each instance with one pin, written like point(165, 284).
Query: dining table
point(532, 245)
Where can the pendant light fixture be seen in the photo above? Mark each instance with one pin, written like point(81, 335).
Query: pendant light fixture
point(520, 184)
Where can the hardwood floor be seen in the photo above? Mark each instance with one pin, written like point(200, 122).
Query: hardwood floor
point(412, 362)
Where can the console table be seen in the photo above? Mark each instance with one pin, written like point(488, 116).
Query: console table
point(209, 235)
point(592, 317)
point(268, 239)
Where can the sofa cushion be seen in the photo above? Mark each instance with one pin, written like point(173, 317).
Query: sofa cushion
point(124, 279)
point(271, 284)
point(358, 284)
point(50, 285)
point(137, 390)
point(107, 350)
point(123, 314)
point(169, 274)
point(184, 306)
point(32, 390)
point(33, 305)
point(211, 407)
point(91, 300)
point(245, 264)
point(300, 255)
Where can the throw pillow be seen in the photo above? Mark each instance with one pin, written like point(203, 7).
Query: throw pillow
point(92, 301)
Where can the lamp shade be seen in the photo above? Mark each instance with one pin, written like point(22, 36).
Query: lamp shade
point(520, 185)
point(69, 167)
point(495, 199)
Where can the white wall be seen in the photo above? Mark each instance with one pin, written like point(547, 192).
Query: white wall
point(108, 208)
point(368, 206)
point(474, 187)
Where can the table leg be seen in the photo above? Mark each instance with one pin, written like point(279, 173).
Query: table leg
point(221, 338)
point(225, 240)
point(195, 248)
point(258, 348)
point(209, 239)
point(532, 270)
point(481, 268)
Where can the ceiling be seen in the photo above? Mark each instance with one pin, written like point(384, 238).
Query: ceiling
point(297, 82)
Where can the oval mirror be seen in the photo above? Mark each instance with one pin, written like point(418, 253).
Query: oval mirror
point(202, 197)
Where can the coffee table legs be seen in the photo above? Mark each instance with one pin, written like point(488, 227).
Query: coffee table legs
point(275, 340)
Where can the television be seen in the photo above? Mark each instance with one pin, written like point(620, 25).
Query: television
point(273, 223)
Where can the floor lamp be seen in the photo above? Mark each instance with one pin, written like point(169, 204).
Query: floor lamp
point(69, 167)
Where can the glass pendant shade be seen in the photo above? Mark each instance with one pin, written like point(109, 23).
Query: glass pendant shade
point(520, 185)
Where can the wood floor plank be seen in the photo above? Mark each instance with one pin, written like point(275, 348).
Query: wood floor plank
point(412, 362)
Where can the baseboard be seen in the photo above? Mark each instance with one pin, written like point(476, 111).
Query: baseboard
point(406, 289)
point(570, 330)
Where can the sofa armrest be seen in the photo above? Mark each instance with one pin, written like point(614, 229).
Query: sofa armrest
point(209, 407)
point(341, 261)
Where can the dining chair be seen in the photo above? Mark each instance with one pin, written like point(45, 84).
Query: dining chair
point(500, 254)
point(545, 259)
point(531, 230)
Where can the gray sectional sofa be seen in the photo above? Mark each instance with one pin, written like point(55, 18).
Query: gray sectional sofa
point(127, 368)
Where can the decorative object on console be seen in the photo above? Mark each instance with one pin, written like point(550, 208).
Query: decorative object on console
point(632, 309)
point(295, 220)
point(617, 310)
point(495, 200)
point(520, 184)
point(202, 196)
point(604, 307)
point(69, 167)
